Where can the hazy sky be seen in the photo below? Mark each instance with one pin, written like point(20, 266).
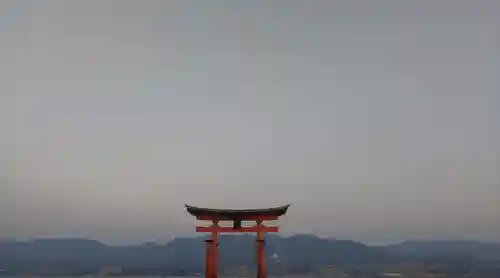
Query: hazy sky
point(377, 120)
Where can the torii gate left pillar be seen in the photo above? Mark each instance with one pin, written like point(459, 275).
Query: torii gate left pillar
point(236, 216)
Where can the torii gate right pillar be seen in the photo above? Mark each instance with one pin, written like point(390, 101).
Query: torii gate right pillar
point(261, 259)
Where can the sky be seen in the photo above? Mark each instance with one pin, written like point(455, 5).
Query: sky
point(378, 121)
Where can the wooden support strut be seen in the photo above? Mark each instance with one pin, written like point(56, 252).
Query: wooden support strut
point(265, 229)
point(215, 249)
point(260, 244)
point(249, 218)
point(208, 259)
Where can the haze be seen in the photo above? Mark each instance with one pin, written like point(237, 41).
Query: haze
point(377, 120)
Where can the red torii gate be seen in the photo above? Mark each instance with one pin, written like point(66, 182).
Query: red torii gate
point(236, 216)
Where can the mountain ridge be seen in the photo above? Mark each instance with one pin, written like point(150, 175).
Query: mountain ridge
point(298, 254)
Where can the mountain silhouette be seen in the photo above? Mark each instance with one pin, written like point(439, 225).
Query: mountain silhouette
point(298, 254)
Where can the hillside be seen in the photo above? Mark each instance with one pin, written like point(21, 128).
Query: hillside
point(297, 254)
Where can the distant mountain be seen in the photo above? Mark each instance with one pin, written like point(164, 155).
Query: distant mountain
point(298, 254)
point(466, 249)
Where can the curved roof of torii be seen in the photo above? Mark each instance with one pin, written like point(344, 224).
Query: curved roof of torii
point(236, 213)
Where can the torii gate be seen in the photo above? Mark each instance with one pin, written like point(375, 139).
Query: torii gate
point(236, 216)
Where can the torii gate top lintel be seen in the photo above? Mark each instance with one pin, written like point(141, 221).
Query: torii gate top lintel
point(236, 216)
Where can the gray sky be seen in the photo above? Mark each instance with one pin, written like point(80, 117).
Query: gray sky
point(377, 120)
